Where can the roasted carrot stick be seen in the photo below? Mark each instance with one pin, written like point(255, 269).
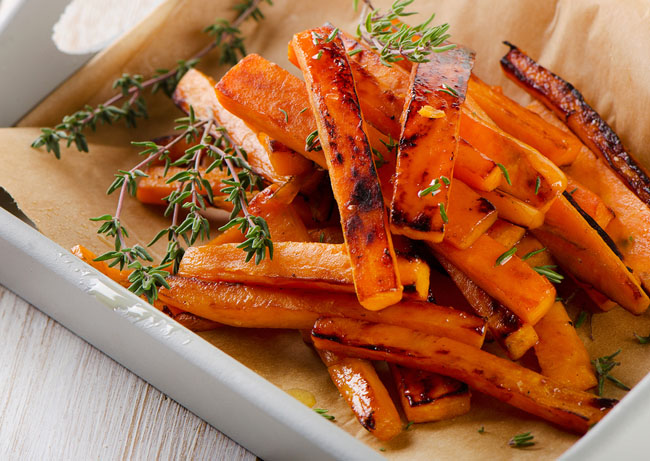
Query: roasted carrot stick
point(559, 147)
point(197, 90)
point(469, 215)
point(512, 334)
point(302, 265)
point(263, 307)
point(351, 168)
point(585, 250)
point(630, 229)
point(510, 281)
point(514, 210)
point(428, 144)
point(358, 383)
point(427, 396)
point(518, 386)
point(568, 104)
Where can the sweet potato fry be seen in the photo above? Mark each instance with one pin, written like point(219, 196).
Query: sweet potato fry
point(590, 203)
point(518, 386)
point(263, 307)
point(351, 167)
point(428, 144)
point(514, 210)
point(284, 160)
point(512, 283)
point(507, 234)
point(531, 177)
point(152, 189)
point(469, 214)
point(585, 250)
point(358, 383)
point(559, 147)
point(427, 396)
point(197, 90)
point(515, 336)
point(568, 104)
point(630, 229)
point(302, 265)
point(475, 169)
point(560, 352)
point(283, 220)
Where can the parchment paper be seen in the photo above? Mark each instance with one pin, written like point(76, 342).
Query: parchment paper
point(601, 46)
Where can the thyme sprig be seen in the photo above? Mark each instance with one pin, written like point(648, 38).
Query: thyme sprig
point(396, 43)
point(226, 37)
point(192, 193)
point(603, 366)
point(522, 440)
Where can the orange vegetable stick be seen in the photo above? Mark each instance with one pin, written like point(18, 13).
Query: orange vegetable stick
point(428, 144)
point(284, 160)
point(197, 90)
point(560, 352)
point(507, 234)
point(469, 214)
point(630, 229)
point(514, 210)
point(568, 104)
point(283, 220)
point(532, 177)
point(153, 188)
point(512, 283)
point(475, 169)
point(511, 383)
point(586, 251)
point(427, 396)
point(512, 334)
point(302, 265)
point(559, 147)
point(358, 383)
point(264, 307)
point(590, 203)
point(351, 168)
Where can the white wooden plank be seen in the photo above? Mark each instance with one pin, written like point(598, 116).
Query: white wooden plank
point(63, 399)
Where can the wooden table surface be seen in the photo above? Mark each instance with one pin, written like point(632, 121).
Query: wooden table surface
point(62, 399)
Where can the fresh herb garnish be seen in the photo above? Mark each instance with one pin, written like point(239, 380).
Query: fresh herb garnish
point(449, 90)
point(530, 254)
point(408, 425)
point(548, 272)
point(642, 339)
point(582, 316)
point(603, 366)
point(393, 43)
point(443, 213)
point(286, 116)
point(506, 175)
point(505, 257)
point(538, 182)
point(227, 39)
point(481, 430)
point(318, 55)
point(323, 412)
point(522, 440)
point(312, 143)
